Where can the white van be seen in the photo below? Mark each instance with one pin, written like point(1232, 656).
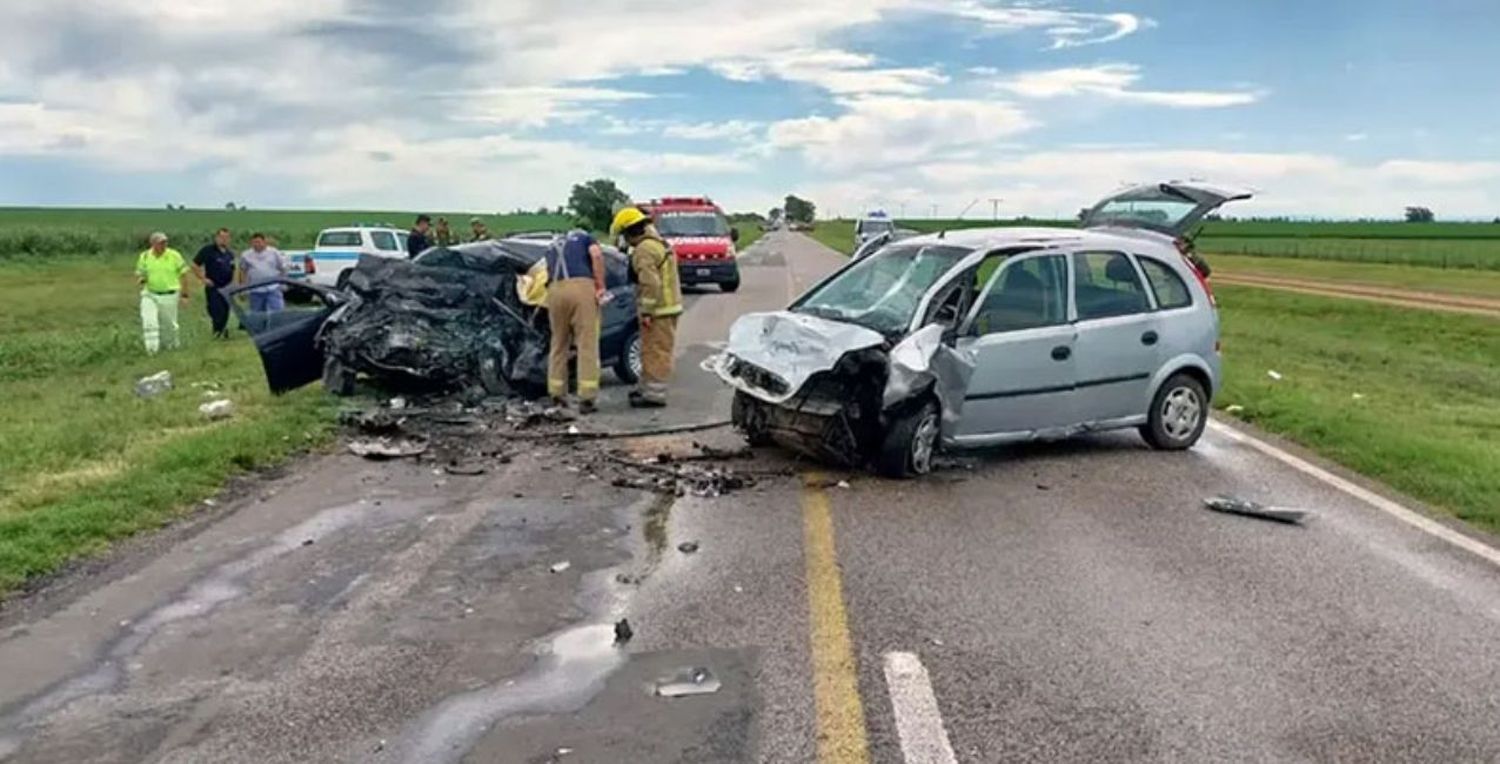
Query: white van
point(338, 249)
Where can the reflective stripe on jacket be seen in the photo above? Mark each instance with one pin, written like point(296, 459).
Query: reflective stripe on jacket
point(658, 290)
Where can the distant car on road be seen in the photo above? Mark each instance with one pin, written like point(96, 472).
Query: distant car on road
point(339, 249)
point(981, 337)
point(872, 225)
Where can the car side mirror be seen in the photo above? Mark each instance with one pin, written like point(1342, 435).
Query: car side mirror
point(734, 235)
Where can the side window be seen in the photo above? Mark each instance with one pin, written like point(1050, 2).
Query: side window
point(1169, 288)
point(1106, 284)
point(401, 239)
point(1029, 293)
point(385, 241)
point(951, 305)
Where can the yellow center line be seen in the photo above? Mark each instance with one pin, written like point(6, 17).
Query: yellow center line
point(840, 716)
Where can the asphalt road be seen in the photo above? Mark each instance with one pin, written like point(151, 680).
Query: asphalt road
point(1059, 602)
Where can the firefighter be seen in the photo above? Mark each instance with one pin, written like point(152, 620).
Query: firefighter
point(575, 288)
point(658, 301)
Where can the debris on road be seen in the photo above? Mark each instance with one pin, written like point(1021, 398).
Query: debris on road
point(384, 448)
point(464, 468)
point(222, 408)
point(676, 478)
point(558, 567)
point(1234, 505)
point(693, 680)
point(623, 632)
point(154, 385)
point(688, 547)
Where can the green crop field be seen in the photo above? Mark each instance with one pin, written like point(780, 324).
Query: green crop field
point(1473, 246)
point(73, 231)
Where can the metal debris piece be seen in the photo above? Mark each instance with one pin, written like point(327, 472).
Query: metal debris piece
point(384, 448)
point(464, 468)
point(688, 547)
point(213, 411)
point(1234, 505)
point(693, 680)
point(623, 632)
point(154, 385)
point(558, 567)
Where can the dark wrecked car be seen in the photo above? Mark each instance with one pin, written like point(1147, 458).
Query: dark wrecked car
point(981, 337)
point(451, 319)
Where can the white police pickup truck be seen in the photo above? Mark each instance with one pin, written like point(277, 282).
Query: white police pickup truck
point(338, 249)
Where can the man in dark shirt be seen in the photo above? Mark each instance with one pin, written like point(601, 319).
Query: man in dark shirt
point(417, 242)
point(214, 265)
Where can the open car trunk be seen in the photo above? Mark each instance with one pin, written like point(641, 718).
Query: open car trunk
point(1173, 208)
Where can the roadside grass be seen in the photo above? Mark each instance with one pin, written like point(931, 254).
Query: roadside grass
point(836, 234)
point(83, 461)
point(1409, 277)
point(749, 234)
point(1452, 252)
point(1427, 417)
point(40, 231)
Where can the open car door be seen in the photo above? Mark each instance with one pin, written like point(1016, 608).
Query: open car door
point(287, 339)
point(1173, 208)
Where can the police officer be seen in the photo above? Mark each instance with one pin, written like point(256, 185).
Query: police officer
point(479, 231)
point(658, 301)
point(214, 265)
point(575, 287)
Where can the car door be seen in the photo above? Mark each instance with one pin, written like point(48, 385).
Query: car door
point(1118, 333)
point(287, 339)
point(1022, 347)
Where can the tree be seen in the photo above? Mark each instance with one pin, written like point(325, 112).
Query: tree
point(230, 206)
point(595, 202)
point(800, 210)
point(1419, 215)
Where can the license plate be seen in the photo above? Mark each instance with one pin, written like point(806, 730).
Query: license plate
point(705, 272)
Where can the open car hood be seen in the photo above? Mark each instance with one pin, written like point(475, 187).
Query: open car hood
point(1204, 198)
point(772, 355)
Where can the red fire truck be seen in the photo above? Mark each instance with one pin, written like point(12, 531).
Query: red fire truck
point(700, 235)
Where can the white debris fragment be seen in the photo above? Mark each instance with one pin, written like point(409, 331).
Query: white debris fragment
point(573, 429)
point(1273, 374)
point(843, 484)
point(222, 408)
point(154, 385)
point(558, 567)
point(1359, 396)
point(398, 403)
point(1235, 409)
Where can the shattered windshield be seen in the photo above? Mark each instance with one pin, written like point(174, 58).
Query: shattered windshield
point(691, 224)
point(882, 292)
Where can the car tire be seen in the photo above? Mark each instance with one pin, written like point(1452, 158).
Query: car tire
point(749, 416)
point(730, 286)
point(911, 443)
point(1179, 413)
point(628, 366)
point(338, 379)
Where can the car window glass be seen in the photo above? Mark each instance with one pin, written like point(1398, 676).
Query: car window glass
point(1029, 293)
point(953, 303)
point(401, 239)
point(339, 239)
point(616, 270)
point(1106, 284)
point(1171, 291)
point(385, 241)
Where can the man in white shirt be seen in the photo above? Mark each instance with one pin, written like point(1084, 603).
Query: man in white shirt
point(262, 263)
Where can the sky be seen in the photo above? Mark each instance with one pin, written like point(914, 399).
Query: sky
point(1328, 108)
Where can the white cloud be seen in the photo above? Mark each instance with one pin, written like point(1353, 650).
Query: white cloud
point(1115, 81)
point(891, 130)
point(1439, 173)
point(1355, 137)
point(733, 130)
point(1068, 29)
point(836, 71)
point(533, 106)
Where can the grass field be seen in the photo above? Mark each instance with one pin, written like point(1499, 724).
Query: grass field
point(1415, 278)
point(1427, 419)
point(1460, 246)
point(56, 231)
point(84, 461)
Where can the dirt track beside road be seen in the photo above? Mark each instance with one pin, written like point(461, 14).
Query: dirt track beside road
point(1478, 306)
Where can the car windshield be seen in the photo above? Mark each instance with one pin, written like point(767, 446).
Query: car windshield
point(691, 224)
point(875, 227)
point(883, 291)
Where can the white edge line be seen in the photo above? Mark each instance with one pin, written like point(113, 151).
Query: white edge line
point(918, 722)
point(1410, 517)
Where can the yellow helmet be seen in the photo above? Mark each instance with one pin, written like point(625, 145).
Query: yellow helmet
point(626, 218)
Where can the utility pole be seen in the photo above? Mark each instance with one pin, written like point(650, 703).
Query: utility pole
point(995, 208)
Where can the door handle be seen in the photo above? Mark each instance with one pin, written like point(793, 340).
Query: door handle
point(1149, 338)
point(1062, 353)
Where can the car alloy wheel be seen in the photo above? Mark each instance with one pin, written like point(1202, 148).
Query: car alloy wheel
point(633, 356)
point(1181, 412)
point(924, 442)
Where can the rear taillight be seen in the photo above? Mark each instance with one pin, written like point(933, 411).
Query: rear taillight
point(1202, 279)
point(308, 265)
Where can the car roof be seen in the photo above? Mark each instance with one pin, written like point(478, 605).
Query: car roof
point(998, 237)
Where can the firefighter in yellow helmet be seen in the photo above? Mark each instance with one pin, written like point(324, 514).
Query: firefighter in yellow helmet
point(658, 301)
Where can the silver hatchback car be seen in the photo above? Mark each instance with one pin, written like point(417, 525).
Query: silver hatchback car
point(981, 337)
